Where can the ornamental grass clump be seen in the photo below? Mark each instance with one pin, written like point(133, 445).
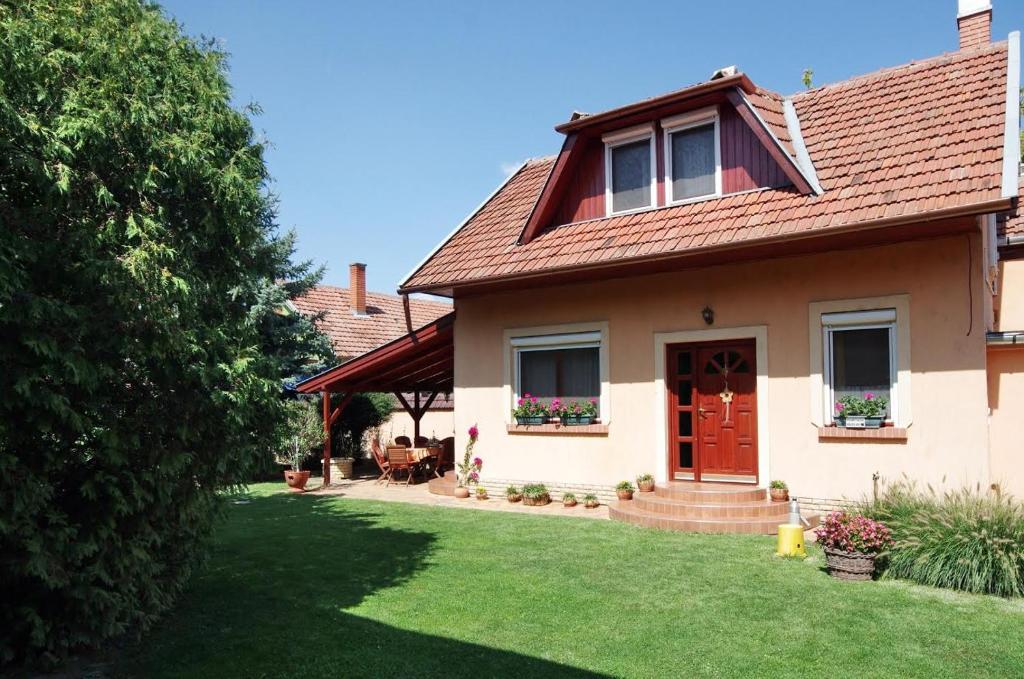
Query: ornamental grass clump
point(968, 539)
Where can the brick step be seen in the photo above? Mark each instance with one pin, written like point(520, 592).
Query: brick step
point(710, 493)
point(738, 510)
point(442, 486)
point(628, 513)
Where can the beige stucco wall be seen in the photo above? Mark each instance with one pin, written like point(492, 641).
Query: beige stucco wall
point(948, 435)
point(1010, 300)
point(1006, 424)
point(439, 423)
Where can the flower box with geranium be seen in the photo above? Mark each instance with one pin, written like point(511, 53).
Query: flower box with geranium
point(575, 412)
point(851, 543)
point(529, 410)
point(855, 412)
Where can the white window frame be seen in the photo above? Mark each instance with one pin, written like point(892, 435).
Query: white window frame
point(552, 342)
point(859, 320)
point(681, 123)
point(613, 140)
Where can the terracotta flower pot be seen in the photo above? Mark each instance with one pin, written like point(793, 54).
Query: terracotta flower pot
point(849, 565)
point(539, 501)
point(514, 498)
point(296, 480)
point(482, 496)
point(645, 486)
point(569, 503)
point(461, 492)
point(591, 504)
point(624, 494)
point(779, 494)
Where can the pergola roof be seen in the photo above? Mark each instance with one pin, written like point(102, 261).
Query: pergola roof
point(421, 361)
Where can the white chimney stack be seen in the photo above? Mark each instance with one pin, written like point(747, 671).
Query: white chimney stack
point(974, 22)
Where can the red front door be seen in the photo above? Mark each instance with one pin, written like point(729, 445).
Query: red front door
point(713, 412)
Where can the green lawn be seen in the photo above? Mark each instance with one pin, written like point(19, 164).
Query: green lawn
point(311, 586)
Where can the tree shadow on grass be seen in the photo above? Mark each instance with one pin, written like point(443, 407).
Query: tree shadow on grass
point(272, 602)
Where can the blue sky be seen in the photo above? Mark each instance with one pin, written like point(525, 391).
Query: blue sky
point(391, 121)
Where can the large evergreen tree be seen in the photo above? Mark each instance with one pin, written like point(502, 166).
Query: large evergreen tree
point(141, 355)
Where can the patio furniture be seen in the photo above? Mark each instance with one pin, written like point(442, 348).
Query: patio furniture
point(403, 441)
point(381, 459)
point(399, 460)
point(422, 442)
point(446, 460)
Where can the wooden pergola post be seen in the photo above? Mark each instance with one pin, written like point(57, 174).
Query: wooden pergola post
point(329, 418)
point(416, 409)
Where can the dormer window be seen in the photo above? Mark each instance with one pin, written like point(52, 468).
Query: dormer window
point(629, 169)
point(693, 165)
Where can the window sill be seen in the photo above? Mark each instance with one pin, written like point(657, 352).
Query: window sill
point(558, 428)
point(886, 434)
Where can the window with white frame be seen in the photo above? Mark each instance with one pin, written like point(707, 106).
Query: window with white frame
point(693, 166)
point(859, 348)
point(629, 169)
point(567, 367)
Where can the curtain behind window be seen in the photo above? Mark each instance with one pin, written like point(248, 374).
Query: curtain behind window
point(693, 162)
point(631, 176)
point(860, 363)
point(569, 374)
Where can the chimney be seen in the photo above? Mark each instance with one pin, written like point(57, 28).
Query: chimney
point(357, 288)
point(974, 21)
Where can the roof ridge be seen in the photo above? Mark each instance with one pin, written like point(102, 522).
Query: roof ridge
point(396, 297)
point(918, 63)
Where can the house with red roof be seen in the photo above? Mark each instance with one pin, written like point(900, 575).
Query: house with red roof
point(357, 322)
point(739, 286)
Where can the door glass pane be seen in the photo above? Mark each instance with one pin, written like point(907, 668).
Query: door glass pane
point(685, 365)
point(686, 424)
point(693, 162)
point(860, 363)
point(569, 374)
point(685, 391)
point(631, 175)
point(686, 455)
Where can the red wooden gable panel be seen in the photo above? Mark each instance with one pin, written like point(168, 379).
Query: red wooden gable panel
point(746, 165)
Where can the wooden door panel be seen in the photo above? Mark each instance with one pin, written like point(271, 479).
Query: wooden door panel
point(727, 430)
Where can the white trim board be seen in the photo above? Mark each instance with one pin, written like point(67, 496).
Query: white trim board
point(803, 158)
point(759, 333)
point(1011, 135)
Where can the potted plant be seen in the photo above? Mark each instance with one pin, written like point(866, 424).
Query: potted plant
point(481, 493)
point(295, 477)
point(855, 412)
point(529, 410)
point(590, 501)
point(645, 482)
point(779, 491)
point(624, 490)
point(569, 500)
point(575, 412)
point(536, 495)
point(469, 469)
point(851, 543)
point(513, 494)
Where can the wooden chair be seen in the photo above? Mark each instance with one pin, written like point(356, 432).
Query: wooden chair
point(403, 441)
point(381, 459)
point(399, 460)
point(447, 458)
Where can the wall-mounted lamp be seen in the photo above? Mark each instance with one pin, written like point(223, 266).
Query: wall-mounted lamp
point(708, 314)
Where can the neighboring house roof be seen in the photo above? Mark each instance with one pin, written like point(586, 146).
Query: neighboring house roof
point(353, 335)
point(1011, 224)
point(441, 401)
point(921, 139)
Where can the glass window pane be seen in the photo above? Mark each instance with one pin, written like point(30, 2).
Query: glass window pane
point(686, 455)
point(693, 162)
point(860, 362)
point(684, 363)
point(685, 424)
point(685, 392)
point(631, 175)
point(569, 374)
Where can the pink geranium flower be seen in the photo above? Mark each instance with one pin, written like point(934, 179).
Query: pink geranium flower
point(473, 433)
point(869, 396)
point(477, 462)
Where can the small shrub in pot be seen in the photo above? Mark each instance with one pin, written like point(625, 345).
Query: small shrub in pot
point(645, 482)
point(569, 500)
point(625, 490)
point(590, 501)
point(779, 491)
point(481, 493)
point(536, 494)
point(513, 494)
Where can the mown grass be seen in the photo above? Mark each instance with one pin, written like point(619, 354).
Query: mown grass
point(309, 586)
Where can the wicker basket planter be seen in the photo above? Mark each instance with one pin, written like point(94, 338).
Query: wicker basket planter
point(849, 565)
point(538, 501)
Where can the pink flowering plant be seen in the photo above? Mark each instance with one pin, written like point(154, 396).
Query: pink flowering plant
point(469, 468)
point(574, 408)
point(870, 405)
point(853, 533)
point(530, 406)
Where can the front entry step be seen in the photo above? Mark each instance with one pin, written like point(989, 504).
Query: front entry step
point(705, 508)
